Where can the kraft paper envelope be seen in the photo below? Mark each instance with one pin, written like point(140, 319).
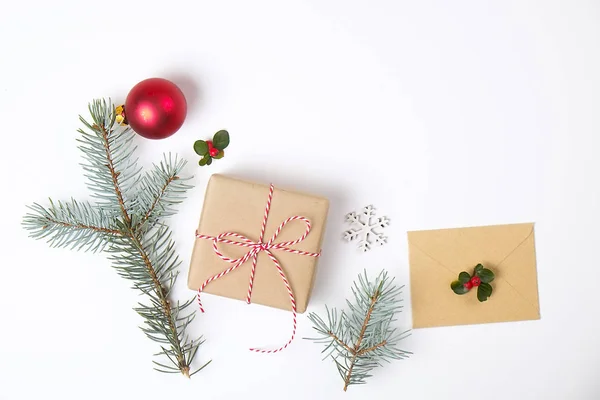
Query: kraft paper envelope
point(438, 256)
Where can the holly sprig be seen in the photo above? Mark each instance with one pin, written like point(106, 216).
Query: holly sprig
point(481, 280)
point(212, 149)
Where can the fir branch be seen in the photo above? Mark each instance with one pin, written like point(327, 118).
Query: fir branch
point(125, 223)
point(153, 270)
point(160, 190)
point(161, 193)
point(372, 348)
point(114, 175)
point(75, 224)
point(363, 337)
point(110, 167)
point(339, 341)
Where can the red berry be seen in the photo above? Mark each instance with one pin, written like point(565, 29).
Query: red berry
point(213, 152)
point(468, 285)
point(475, 281)
point(210, 144)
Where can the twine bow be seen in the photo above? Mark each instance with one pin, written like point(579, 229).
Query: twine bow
point(254, 249)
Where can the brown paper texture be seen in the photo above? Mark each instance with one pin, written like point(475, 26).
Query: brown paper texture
point(233, 205)
point(438, 256)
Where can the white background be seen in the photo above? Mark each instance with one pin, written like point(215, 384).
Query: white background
point(441, 114)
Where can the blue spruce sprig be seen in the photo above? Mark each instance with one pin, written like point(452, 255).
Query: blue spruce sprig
point(362, 337)
point(126, 222)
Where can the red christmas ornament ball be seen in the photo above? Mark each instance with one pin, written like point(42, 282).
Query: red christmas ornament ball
point(156, 108)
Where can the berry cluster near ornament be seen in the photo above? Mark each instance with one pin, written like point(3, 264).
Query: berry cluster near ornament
point(212, 149)
point(481, 280)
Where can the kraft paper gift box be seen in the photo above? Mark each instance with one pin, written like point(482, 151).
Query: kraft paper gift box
point(438, 256)
point(234, 205)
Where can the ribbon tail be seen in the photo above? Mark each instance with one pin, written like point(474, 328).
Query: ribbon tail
point(200, 301)
point(292, 301)
point(251, 281)
point(215, 277)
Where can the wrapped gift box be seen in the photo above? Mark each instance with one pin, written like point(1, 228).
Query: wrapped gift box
point(234, 205)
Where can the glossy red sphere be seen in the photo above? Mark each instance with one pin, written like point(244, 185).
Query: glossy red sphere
point(156, 108)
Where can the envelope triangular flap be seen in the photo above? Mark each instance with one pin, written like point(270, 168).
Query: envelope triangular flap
point(460, 249)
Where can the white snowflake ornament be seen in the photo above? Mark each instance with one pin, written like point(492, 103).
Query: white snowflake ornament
point(363, 226)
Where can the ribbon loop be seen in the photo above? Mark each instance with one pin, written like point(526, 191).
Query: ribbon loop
point(254, 249)
point(293, 242)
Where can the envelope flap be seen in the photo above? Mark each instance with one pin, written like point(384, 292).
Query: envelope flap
point(460, 249)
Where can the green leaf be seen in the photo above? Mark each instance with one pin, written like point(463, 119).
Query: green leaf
point(205, 160)
point(221, 140)
point(478, 268)
point(209, 161)
point(484, 291)
point(458, 287)
point(486, 275)
point(201, 147)
point(464, 277)
point(220, 155)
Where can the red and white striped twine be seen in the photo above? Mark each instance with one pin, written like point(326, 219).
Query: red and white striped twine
point(255, 249)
